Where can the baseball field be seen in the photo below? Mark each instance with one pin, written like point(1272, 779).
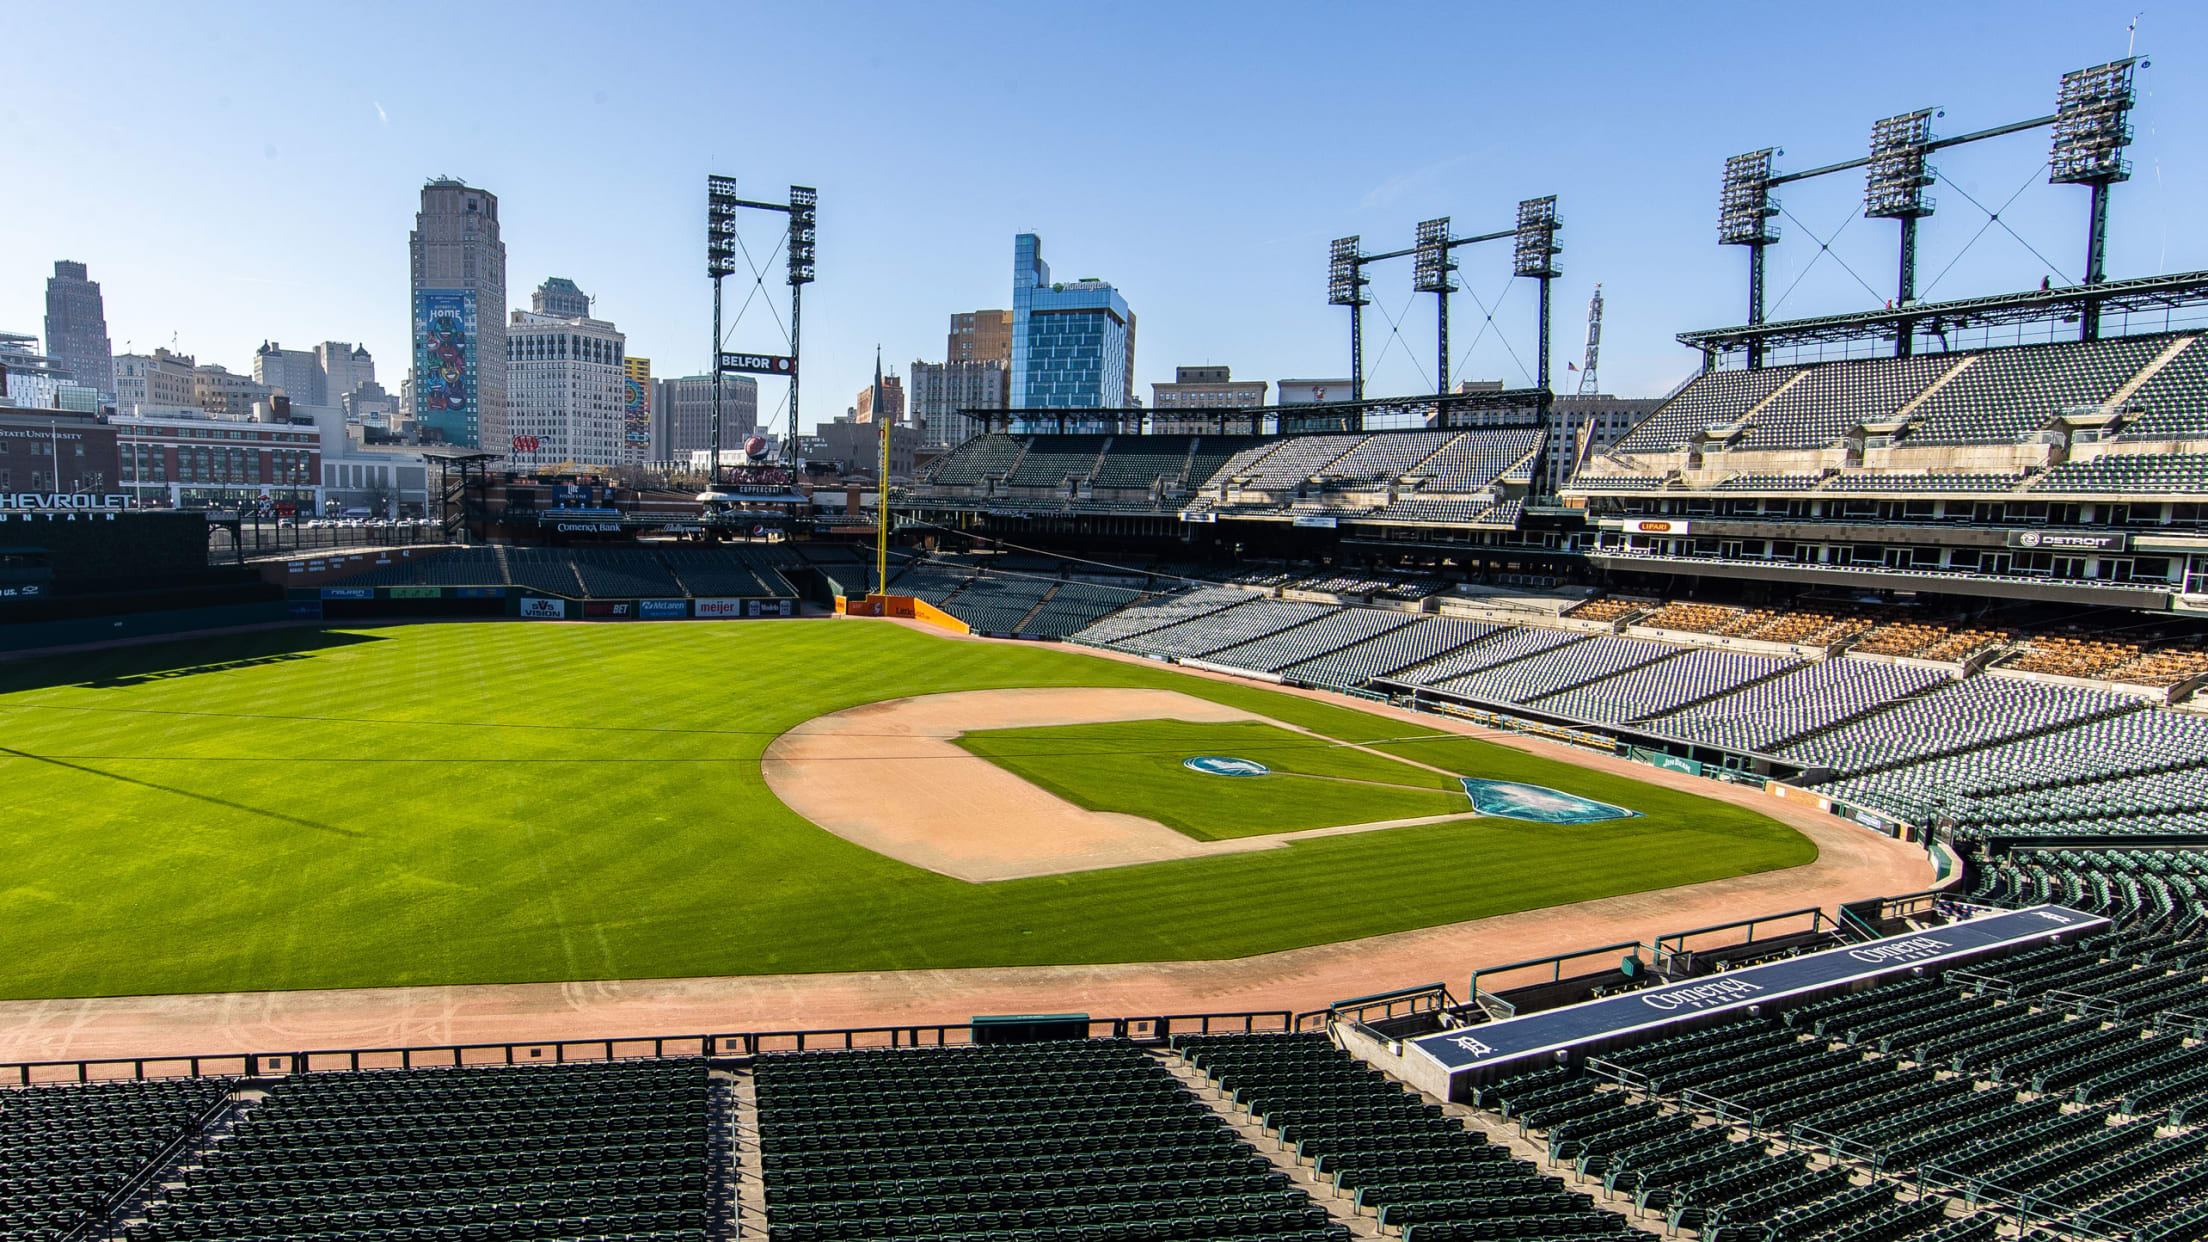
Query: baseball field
point(477, 803)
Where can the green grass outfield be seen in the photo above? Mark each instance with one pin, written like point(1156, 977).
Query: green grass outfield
point(508, 802)
point(1134, 767)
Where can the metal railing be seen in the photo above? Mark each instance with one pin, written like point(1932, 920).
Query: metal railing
point(1152, 1030)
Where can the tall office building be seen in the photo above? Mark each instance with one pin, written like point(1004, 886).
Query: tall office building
point(980, 336)
point(1204, 388)
point(682, 415)
point(636, 409)
point(226, 394)
point(346, 368)
point(76, 327)
point(944, 394)
point(297, 372)
point(559, 296)
point(1073, 345)
point(564, 382)
point(457, 370)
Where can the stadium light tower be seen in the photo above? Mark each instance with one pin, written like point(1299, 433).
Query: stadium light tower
point(1893, 189)
point(2092, 127)
point(720, 262)
point(1345, 286)
point(1533, 255)
point(1432, 272)
point(804, 199)
point(1744, 211)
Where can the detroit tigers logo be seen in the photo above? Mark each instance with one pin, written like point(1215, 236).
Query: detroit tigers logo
point(1221, 765)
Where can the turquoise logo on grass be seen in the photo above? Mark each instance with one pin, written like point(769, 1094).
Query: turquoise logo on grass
point(1538, 803)
point(1220, 765)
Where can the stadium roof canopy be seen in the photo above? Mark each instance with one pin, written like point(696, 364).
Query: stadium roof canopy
point(2145, 293)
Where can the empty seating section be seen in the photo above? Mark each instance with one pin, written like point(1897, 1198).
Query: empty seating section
point(1697, 618)
point(1915, 481)
point(1215, 631)
point(1928, 640)
point(1165, 610)
point(996, 603)
point(1079, 1141)
point(1141, 461)
point(2013, 780)
point(1817, 696)
point(1215, 459)
point(1954, 717)
point(1610, 608)
point(1051, 460)
point(1387, 1150)
point(1296, 460)
point(1430, 509)
point(720, 572)
point(928, 581)
point(1075, 606)
point(984, 456)
point(1384, 654)
point(2007, 393)
point(2173, 403)
point(2157, 890)
point(1475, 459)
point(1328, 632)
point(457, 567)
point(1769, 483)
point(612, 573)
point(1501, 648)
point(1833, 398)
point(1714, 398)
point(2130, 472)
point(1566, 666)
point(1617, 482)
point(550, 570)
point(66, 1149)
point(623, 1149)
point(1387, 455)
point(1666, 685)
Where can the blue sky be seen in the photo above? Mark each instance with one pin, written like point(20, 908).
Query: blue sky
point(235, 173)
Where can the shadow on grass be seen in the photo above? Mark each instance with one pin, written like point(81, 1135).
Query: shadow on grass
point(139, 664)
point(12, 753)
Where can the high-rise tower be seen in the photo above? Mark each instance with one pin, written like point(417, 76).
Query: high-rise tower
point(1073, 343)
point(76, 327)
point(458, 361)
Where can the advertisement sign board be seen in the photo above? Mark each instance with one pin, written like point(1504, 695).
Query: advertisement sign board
point(609, 609)
point(662, 609)
point(445, 363)
point(1656, 526)
point(636, 402)
point(544, 609)
point(348, 592)
point(759, 364)
point(479, 592)
point(1324, 521)
point(2068, 541)
point(305, 609)
point(416, 592)
point(722, 608)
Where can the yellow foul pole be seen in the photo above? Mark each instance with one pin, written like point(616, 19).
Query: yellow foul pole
point(881, 508)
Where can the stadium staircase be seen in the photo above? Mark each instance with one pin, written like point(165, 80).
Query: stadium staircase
point(1603, 677)
point(1029, 615)
point(1500, 664)
point(1719, 693)
point(1304, 1176)
point(2154, 366)
point(1873, 709)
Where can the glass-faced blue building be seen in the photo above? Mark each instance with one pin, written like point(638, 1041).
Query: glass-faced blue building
point(1073, 345)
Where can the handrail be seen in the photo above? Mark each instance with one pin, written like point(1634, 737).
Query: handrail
point(96, 1219)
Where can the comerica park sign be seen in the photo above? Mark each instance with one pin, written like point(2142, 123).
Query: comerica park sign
point(62, 500)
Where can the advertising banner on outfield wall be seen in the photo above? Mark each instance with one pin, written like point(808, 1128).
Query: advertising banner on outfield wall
point(479, 592)
point(416, 592)
point(544, 609)
point(721, 608)
point(348, 592)
point(305, 609)
point(663, 609)
point(609, 609)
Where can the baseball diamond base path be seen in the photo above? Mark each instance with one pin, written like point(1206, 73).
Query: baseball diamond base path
point(890, 776)
point(1852, 863)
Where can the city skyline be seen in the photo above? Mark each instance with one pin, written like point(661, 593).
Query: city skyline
point(1222, 272)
